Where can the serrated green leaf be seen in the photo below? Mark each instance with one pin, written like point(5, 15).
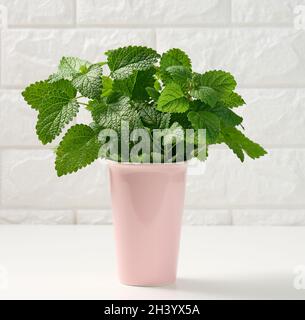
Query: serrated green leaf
point(235, 147)
point(79, 148)
point(125, 86)
point(142, 94)
point(124, 61)
point(157, 85)
point(107, 84)
point(109, 116)
point(56, 104)
point(180, 75)
point(60, 110)
point(97, 108)
point(227, 116)
point(206, 120)
point(68, 68)
point(144, 79)
point(197, 105)
point(39, 94)
point(153, 93)
point(165, 121)
point(212, 86)
point(240, 144)
point(204, 93)
point(153, 118)
point(173, 57)
point(89, 83)
point(232, 100)
point(172, 99)
point(53, 119)
point(221, 81)
point(85, 77)
point(135, 85)
point(182, 119)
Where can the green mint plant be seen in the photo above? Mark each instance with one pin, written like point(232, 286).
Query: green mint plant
point(146, 90)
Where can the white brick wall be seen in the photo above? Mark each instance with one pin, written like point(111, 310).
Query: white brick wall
point(256, 40)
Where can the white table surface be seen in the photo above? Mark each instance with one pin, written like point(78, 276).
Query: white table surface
point(78, 262)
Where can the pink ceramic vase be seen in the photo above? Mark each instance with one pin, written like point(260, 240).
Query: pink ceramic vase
point(147, 203)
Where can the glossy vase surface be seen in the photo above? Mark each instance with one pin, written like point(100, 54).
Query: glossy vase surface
point(147, 204)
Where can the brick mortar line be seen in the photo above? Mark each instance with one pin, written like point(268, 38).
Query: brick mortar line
point(75, 13)
point(249, 207)
point(40, 210)
point(33, 148)
point(75, 218)
point(151, 26)
point(230, 4)
point(33, 208)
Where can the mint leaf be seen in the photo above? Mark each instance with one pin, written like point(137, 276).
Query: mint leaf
point(107, 84)
point(135, 85)
point(212, 86)
point(69, 67)
point(153, 93)
point(180, 75)
point(125, 86)
point(144, 95)
point(182, 119)
point(206, 120)
point(144, 79)
point(221, 81)
point(56, 104)
point(79, 148)
point(172, 99)
point(153, 118)
point(157, 85)
point(227, 116)
point(39, 94)
point(235, 147)
point(124, 61)
point(203, 92)
point(85, 77)
point(110, 115)
point(240, 144)
point(59, 109)
point(232, 100)
point(173, 57)
point(89, 83)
